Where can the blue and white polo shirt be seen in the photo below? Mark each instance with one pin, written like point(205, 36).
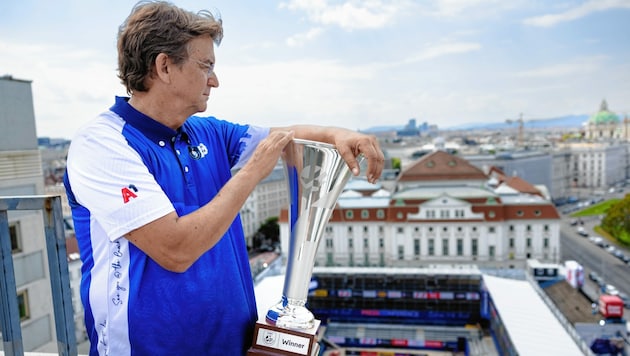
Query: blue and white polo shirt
point(125, 170)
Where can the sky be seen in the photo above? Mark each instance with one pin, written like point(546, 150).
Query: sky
point(350, 63)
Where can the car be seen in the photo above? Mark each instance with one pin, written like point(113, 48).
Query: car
point(625, 298)
point(610, 249)
point(593, 276)
point(610, 289)
point(620, 255)
point(581, 231)
point(573, 222)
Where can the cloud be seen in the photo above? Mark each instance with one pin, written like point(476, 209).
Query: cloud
point(452, 8)
point(578, 12)
point(577, 67)
point(444, 49)
point(300, 39)
point(350, 15)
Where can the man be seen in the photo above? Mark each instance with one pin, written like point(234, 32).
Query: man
point(155, 206)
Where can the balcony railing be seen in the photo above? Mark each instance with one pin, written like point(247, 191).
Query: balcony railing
point(59, 275)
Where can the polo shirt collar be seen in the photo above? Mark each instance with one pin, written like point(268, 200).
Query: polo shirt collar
point(152, 129)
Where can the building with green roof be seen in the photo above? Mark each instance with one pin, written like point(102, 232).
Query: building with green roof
point(606, 125)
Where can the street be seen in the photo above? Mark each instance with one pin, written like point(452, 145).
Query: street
point(592, 257)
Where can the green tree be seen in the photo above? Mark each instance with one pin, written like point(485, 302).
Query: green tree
point(270, 230)
point(396, 163)
point(617, 220)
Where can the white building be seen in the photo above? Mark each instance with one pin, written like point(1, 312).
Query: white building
point(598, 165)
point(444, 210)
point(268, 198)
point(21, 174)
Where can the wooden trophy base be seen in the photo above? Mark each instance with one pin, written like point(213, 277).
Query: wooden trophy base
point(270, 340)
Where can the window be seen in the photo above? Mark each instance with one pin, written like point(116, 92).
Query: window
point(546, 242)
point(528, 228)
point(381, 229)
point(381, 242)
point(329, 259)
point(380, 213)
point(431, 247)
point(430, 214)
point(491, 252)
point(546, 227)
point(366, 243)
point(16, 238)
point(445, 251)
point(460, 247)
point(329, 229)
point(351, 259)
point(349, 214)
point(528, 242)
point(511, 242)
point(444, 214)
point(350, 243)
point(401, 252)
point(401, 230)
point(365, 214)
point(350, 229)
point(365, 229)
point(23, 307)
point(329, 243)
point(511, 228)
point(491, 229)
point(416, 247)
point(491, 214)
point(474, 247)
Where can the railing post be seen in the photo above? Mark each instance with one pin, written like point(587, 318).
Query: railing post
point(59, 277)
point(58, 270)
point(11, 331)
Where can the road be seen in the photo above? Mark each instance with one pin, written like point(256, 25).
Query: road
point(592, 257)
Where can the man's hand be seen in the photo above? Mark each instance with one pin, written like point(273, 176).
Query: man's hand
point(350, 144)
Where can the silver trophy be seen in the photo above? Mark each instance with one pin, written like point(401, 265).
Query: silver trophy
point(316, 175)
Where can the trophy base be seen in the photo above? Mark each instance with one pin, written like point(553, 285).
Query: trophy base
point(273, 340)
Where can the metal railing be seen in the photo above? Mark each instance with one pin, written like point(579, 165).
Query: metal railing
point(59, 275)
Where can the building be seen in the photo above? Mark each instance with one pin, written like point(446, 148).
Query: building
point(598, 165)
point(21, 174)
point(443, 210)
point(266, 201)
point(536, 167)
point(605, 125)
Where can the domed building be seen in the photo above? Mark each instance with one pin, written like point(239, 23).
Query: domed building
point(606, 125)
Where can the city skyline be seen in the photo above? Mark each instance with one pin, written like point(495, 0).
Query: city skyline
point(345, 63)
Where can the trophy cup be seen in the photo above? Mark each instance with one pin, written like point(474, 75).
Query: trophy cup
point(316, 175)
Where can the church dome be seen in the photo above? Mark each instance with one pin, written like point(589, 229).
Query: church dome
point(604, 116)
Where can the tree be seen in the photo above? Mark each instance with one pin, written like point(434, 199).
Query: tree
point(617, 220)
point(270, 230)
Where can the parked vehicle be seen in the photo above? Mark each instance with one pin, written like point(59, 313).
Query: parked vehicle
point(626, 300)
point(611, 290)
point(611, 306)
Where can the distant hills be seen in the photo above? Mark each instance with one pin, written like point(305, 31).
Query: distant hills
point(568, 121)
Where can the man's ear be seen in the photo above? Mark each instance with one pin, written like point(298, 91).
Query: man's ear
point(163, 68)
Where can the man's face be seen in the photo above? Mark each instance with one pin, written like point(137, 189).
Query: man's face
point(192, 85)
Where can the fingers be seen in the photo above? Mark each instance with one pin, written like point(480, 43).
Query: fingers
point(375, 160)
point(367, 146)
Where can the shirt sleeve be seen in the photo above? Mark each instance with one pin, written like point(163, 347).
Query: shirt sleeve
point(249, 142)
point(109, 179)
